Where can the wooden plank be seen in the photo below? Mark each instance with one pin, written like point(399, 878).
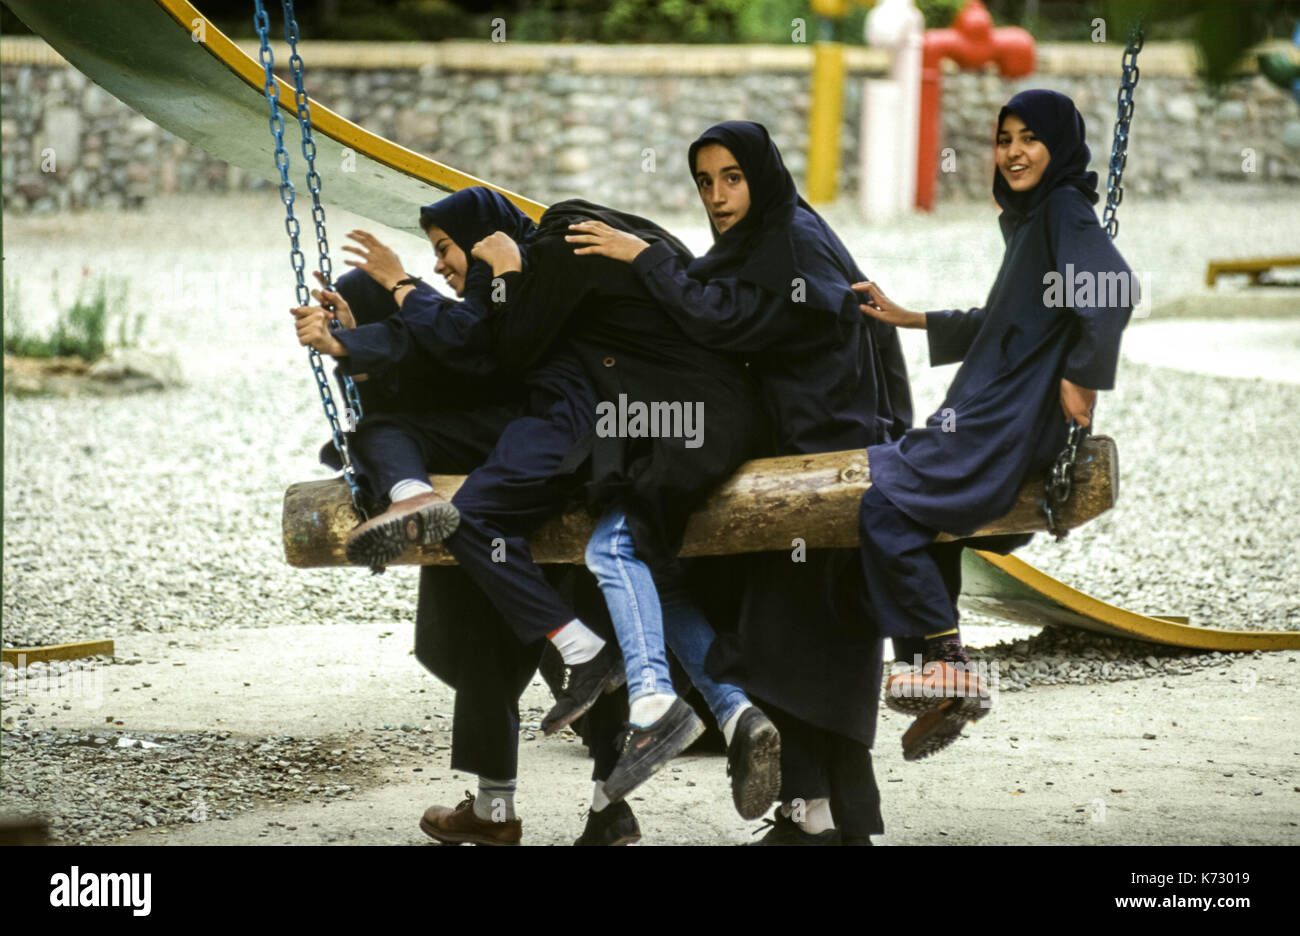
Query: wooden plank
point(1253, 266)
point(15, 656)
point(763, 507)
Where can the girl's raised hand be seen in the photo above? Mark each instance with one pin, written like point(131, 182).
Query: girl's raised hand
point(880, 306)
point(499, 251)
point(380, 261)
point(602, 240)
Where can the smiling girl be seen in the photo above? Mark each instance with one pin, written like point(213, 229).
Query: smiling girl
point(1030, 364)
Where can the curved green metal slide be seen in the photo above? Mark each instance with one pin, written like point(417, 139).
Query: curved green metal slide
point(162, 58)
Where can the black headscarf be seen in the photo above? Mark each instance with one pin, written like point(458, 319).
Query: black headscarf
point(1055, 120)
point(781, 237)
point(473, 213)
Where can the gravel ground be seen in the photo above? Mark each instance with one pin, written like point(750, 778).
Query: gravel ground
point(155, 519)
point(97, 786)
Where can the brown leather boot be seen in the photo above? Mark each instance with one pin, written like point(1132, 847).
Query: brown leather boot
point(424, 520)
point(938, 683)
point(459, 825)
point(932, 732)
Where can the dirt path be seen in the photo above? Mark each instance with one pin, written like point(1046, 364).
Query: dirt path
point(1208, 758)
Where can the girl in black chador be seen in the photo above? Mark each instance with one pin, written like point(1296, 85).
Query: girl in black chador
point(775, 289)
point(1033, 358)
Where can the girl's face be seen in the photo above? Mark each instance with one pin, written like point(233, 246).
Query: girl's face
point(722, 186)
point(451, 260)
point(1021, 157)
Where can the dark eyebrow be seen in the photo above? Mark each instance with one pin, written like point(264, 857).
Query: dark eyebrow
point(729, 169)
point(441, 241)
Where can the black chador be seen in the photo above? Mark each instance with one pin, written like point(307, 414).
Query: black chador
point(636, 354)
point(435, 382)
point(775, 288)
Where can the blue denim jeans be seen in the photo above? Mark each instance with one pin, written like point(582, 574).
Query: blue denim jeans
point(643, 614)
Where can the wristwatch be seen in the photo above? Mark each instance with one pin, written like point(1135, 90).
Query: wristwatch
point(409, 281)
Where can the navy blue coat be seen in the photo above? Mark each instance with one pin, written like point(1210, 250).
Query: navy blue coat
point(775, 289)
point(1001, 420)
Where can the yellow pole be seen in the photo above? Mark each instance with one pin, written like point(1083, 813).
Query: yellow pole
point(824, 121)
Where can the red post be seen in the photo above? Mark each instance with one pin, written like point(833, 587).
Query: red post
point(971, 42)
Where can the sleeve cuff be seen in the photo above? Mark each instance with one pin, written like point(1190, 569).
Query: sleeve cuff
point(652, 256)
point(364, 344)
point(938, 340)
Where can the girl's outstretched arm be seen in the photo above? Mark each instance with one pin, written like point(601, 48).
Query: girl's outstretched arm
point(724, 314)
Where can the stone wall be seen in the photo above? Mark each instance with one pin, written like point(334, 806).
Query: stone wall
point(612, 124)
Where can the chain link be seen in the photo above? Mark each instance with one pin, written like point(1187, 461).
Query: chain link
point(1060, 479)
point(296, 259)
point(352, 401)
point(1123, 117)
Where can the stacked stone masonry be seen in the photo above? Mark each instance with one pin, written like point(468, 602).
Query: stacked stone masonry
point(545, 122)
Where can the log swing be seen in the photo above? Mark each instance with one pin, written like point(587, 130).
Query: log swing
point(769, 504)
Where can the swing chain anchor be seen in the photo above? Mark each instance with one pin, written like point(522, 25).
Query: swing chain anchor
point(1060, 479)
point(297, 261)
point(1123, 117)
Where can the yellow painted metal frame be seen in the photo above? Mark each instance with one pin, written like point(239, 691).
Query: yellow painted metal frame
point(324, 120)
point(1111, 619)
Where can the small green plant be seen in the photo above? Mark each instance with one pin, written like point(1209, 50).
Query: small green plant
point(80, 330)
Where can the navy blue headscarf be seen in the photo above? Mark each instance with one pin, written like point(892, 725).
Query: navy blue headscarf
point(781, 237)
point(1055, 120)
point(473, 213)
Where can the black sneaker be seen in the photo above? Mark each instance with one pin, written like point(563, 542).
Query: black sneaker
point(581, 685)
point(646, 750)
point(785, 831)
point(754, 764)
point(613, 825)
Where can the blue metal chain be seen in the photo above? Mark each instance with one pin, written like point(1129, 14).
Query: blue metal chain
point(262, 22)
point(1123, 116)
point(1060, 479)
point(352, 403)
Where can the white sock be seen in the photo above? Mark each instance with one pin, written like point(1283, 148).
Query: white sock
point(577, 643)
point(598, 798)
point(816, 815)
point(405, 490)
point(650, 708)
point(495, 801)
point(729, 726)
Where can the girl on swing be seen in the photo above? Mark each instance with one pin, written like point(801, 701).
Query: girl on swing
point(775, 289)
point(1030, 364)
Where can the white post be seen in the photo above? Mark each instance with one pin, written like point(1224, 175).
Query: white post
point(897, 25)
point(883, 152)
